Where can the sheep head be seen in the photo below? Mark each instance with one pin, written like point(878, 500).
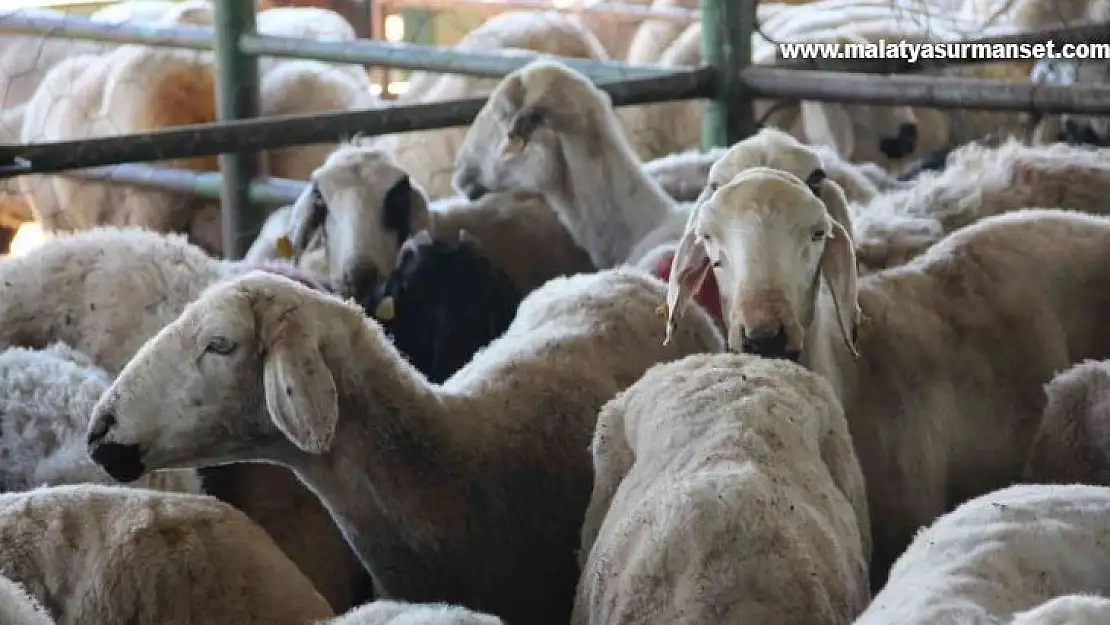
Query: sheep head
point(769, 239)
point(366, 206)
point(193, 395)
point(770, 147)
point(517, 139)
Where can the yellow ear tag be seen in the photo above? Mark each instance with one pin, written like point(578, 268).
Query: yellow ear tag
point(661, 310)
point(385, 311)
point(284, 247)
point(512, 146)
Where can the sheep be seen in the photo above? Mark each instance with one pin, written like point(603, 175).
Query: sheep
point(944, 336)
point(977, 181)
point(682, 176)
point(654, 35)
point(615, 35)
point(401, 613)
point(19, 608)
point(511, 471)
point(45, 405)
point(1003, 553)
point(887, 135)
point(113, 288)
point(1067, 610)
point(91, 553)
point(443, 303)
point(429, 155)
point(771, 147)
point(547, 129)
point(366, 206)
point(1072, 443)
point(740, 500)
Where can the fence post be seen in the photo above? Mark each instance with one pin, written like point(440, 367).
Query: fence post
point(237, 98)
point(726, 33)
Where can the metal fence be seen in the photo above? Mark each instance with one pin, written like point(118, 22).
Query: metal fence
point(727, 80)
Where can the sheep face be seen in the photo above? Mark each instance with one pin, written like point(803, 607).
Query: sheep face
point(366, 206)
point(769, 239)
point(193, 395)
point(1073, 129)
point(515, 140)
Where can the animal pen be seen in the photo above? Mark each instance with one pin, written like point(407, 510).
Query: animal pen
point(728, 81)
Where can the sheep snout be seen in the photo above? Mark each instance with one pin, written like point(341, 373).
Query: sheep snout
point(123, 462)
point(902, 144)
point(760, 326)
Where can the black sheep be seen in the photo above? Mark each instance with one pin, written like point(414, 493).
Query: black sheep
point(443, 302)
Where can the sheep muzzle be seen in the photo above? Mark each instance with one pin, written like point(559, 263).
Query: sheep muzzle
point(761, 323)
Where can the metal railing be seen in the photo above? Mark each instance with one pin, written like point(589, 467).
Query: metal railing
point(728, 79)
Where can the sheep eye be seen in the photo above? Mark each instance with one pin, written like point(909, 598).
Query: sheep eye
point(219, 345)
point(818, 236)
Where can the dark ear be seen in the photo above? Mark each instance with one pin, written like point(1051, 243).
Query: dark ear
point(814, 180)
point(300, 391)
point(521, 127)
point(405, 209)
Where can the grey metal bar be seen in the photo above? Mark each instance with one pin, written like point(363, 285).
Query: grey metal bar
point(270, 192)
point(290, 130)
point(189, 37)
point(363, 52)
point(727, 48)
point(237, 98)
point(429, 58)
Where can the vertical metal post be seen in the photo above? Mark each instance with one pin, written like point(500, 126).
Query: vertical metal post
point(237, 98)
point(726, 32)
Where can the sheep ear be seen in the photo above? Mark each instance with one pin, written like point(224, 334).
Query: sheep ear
point(838, 265)
point(689, 268)
point(836, 203)
point(305, 216)
point(300, 394)
point(828, 124)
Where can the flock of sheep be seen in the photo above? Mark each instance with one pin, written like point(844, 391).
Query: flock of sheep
point(560, 366)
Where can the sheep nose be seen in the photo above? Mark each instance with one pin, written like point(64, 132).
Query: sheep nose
point(767, 341)
point(124, 463)
point(102, 423)
point(905, 142)
point(466, 183)
point(1077, 133)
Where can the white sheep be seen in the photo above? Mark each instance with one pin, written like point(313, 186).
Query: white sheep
point(1072, 444)
point(548, 129)
point(429, 155)
point(19, 608)
point(1003, 553)
point(485, 472)
point(103, 554)
point(400, 613)
point(45, 405)
point(614, 33)
point(726, 490)
point(886, 135)
point(654, 36)
point(977, 181)
point(947, 335)
point(110, 290)
point(137, 88)
point(364, 205)
point(1067, 610)
point(683, 175)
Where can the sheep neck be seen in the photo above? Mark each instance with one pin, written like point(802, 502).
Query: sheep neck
point(392, 477)
point(826, 353)
point(607, 201)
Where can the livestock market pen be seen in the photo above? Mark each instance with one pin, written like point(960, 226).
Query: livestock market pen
point(727, 81)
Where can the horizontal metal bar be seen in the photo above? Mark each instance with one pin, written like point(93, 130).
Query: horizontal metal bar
point(615, 11)
point(265, 191)
point(932, 91)
point(290, 130)
point(188, 37)
point(362, 51)
point(430, 58)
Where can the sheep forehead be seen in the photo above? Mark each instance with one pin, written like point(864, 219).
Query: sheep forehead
point(360, 166)
point(763, 193)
